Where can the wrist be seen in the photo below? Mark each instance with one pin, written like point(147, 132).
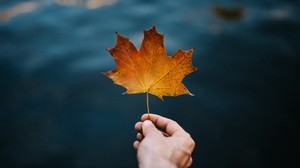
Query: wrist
point(157, 162)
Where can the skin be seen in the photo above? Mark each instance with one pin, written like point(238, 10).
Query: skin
point(162, 142)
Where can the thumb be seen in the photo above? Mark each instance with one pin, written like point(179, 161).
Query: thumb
point(148, 128)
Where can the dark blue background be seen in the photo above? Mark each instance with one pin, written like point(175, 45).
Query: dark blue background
point(57, 110)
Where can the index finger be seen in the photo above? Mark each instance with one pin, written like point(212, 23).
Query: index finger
point(165, 124)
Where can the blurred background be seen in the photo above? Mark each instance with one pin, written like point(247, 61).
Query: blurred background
point(57, 110)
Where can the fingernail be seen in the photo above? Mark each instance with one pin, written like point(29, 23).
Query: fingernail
point(147, 122)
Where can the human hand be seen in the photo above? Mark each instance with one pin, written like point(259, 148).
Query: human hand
point(161, 142)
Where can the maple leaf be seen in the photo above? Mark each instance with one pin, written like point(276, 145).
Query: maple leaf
point(150, 70)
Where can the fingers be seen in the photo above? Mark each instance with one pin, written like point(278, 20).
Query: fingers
point(148, 128)
point(167, 125)
point(136, 144)
point(138, 127)
point(139, 137)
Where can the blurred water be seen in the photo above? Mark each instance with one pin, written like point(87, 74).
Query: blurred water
point(57, 110)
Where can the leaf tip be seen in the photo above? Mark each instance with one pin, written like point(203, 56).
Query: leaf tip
point(104, 73)
point(107, 74)
point(153, 27)
point(191, 94)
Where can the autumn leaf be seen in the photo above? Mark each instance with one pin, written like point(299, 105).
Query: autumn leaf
point(150, 70)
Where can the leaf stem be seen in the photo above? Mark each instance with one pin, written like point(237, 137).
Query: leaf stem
point(148, 108)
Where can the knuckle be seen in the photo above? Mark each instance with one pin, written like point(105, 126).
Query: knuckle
point(189, 163)
point(190, 143)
